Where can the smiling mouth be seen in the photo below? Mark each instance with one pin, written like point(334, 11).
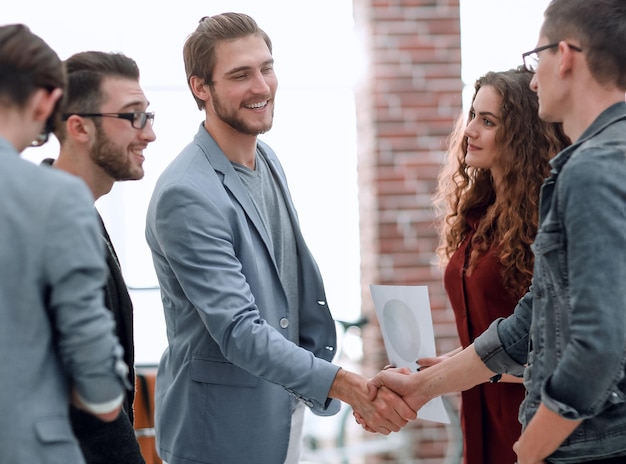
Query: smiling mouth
point(256, 106)
point(138, 154)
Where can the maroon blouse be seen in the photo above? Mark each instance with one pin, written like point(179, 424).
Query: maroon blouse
point(488, 411)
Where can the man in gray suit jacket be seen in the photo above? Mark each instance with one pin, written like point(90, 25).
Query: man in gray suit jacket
point(250, 336)
point(56, 339)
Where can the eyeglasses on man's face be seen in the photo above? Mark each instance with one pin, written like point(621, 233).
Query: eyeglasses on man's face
point(531, 58)
point(138, 119)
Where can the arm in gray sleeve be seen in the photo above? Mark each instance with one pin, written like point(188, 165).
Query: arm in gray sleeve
point(76, 271)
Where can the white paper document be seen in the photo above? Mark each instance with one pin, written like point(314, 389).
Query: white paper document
point(406, 323)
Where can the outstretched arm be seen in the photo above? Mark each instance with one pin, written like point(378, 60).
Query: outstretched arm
point(458, 373)
point(429, 362)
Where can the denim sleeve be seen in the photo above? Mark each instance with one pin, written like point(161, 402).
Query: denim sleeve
point(592, 196)
point(503, 347)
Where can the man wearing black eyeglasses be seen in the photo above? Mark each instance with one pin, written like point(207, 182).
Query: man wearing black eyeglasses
point(57, 343)
point(568, 333)
point(103, 130)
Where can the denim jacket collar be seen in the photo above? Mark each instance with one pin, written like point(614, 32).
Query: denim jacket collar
point(613, 113)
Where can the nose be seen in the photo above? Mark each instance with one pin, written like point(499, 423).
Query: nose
point(533, 83)
point(260, 84)
point(147, 133)
point(469, 131)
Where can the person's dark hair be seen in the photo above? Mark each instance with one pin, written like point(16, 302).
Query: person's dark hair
point(85, 73)
point(507, 222)
point(199, 48)
point(600, 28)
point(27, 63)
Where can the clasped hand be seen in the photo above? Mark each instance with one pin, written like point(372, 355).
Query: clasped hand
point(383, 412)
point(399, 382)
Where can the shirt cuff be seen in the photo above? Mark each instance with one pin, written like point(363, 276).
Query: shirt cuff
point(101, 408)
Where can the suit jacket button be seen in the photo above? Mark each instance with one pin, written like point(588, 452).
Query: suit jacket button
point(284, 323)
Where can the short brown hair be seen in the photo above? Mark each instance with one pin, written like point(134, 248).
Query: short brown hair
point(85, 72)
point(600, 27)
point(199, 48)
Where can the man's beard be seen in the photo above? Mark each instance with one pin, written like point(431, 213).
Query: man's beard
point(233, 120)
point(113, 159)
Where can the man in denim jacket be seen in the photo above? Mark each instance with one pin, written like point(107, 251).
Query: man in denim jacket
point(567, 336)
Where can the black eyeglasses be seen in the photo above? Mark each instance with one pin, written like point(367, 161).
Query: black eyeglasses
point(531, 58)
point(138, 119)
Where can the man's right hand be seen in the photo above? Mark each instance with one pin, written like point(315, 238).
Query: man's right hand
point(405, 385)
point(384, 412)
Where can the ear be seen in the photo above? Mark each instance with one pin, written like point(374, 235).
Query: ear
point(76, 128)
point(199, 88)
point(43, 103)
point(566, 58)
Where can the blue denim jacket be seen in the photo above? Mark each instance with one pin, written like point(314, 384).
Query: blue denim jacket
point(570, 328)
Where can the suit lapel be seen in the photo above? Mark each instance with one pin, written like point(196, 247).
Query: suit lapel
point(232, 183)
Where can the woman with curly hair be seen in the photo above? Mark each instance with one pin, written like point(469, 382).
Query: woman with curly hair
point(488, 197)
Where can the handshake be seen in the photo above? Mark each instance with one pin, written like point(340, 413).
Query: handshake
point(385, 403)
point(391, 399)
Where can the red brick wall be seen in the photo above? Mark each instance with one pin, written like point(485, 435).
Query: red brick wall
point(406, 102)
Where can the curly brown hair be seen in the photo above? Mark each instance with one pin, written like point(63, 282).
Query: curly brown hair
point(507, 223)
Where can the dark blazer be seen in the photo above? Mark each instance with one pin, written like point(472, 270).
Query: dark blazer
point(117, 299)
point(113, 442)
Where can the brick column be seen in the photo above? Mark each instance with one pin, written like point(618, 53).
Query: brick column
point(407, 101)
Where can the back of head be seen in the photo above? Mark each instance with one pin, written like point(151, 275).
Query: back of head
point(600, 28)
point(27, 63)
point(85, 73)
point(199, 49)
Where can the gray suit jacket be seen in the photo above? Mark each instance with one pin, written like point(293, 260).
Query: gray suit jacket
point(54, 330)
point(225, 384)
